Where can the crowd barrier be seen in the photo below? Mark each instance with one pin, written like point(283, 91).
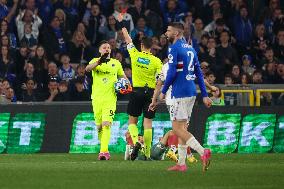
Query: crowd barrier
point(69, 128)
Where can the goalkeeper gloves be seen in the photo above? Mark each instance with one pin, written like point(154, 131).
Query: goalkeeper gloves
point(127, 90)
point(104, 58)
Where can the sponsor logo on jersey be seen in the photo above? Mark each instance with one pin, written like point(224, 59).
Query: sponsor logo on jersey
point(143, 61)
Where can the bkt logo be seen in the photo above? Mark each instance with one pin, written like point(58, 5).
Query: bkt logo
point(225, 133)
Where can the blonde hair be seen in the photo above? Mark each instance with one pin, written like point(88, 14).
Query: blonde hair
point(60, 12)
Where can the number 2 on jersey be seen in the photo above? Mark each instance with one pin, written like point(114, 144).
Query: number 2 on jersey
point(190, 75)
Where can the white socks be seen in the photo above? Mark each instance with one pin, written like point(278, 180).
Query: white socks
point(182, 151)
point(194, 144)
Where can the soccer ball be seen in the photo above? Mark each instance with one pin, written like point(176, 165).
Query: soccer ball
point(121, 83)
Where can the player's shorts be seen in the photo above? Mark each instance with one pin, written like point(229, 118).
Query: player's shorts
point(103, 111)
point(181, 108)
point(139, 102)
point(157, 151)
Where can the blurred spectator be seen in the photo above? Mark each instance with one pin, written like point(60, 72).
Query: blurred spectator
point(279, 45)
point(280, 72)
point(236, 74)
point(119, 56)
point(81, 72)
point(94, 20)
point(278, 22)
point(113, 46)
point(54, 40)
point(29, 95)
point(28, 38)
point(7, 65)
point(11, 36)
point(212, 25)
point(247, 66)
point(29, 73)
point(154, 21)
point(109, 30)
point(216, 98)
point(226, 55)
point(52, 94)
point(141, 27)
point(44, 10)
point(187, 21)
point(79, 48)
point(5, 86)
point(137, 10)
point(204, 67)
point(63, 91)
point(270, 73)
point(40, 61)
point(5, 13)
point(198, 29)
point(210, 77)
point(52, 72)
point(172, 12)
point(29, 5)
point(245, 79)
point(260, 42)
point(5, 42)
point(257, 77)
point(203, 43)
point(10, 96)
point(70, 11)
point(220, 27)
point(21, 57)
point(82, 28)
point(243, 29)
point(211, 9)
point(268, 58)
point(80, 94)
point(64, 25)
point(230, 98)
point(66, 71)
point(30, 18)
point(210, 54)
point(119, 6)
point(163, 53)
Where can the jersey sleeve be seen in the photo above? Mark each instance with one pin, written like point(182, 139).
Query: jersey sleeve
point(159, 66)
point(171, 74)
point(131, 50)
point(93, 60)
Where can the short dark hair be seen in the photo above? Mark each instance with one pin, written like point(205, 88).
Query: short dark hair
point(103, 42)
point(209, 73)
point(79, 79)
point(229, 75)
point(147, 42)
point(30, 79)
point(177, 25)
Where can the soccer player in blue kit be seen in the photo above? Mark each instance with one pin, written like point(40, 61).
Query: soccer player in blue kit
point(183, 69)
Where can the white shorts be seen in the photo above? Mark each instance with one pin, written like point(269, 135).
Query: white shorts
point(181, 108)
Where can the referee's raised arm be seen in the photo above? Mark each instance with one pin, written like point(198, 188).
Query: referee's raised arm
point(125, 33)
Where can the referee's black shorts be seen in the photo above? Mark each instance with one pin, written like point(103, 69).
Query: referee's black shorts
point(139, 102)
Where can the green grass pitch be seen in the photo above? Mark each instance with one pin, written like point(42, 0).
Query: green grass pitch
point(84, 171)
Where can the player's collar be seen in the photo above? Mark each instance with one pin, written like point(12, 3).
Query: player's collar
point(146, 52)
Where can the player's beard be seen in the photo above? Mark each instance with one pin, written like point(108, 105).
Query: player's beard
point(170, 39)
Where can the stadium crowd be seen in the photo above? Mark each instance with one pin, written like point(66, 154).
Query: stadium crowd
point(46, 44)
